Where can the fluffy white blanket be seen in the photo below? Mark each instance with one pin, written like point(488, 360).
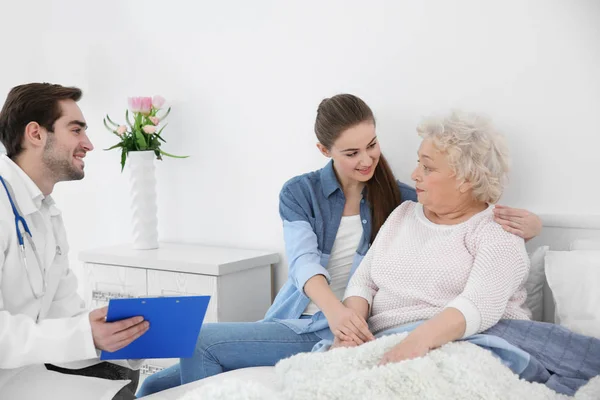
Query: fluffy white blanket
point(456, 371)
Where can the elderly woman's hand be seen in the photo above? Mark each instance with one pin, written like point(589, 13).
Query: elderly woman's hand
point(520, 222)
point(342, 343)
point(411, 347)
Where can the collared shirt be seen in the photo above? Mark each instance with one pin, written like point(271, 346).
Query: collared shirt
point(47, 209)
point(311, 207)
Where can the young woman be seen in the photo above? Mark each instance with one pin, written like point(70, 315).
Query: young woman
point(330, 218)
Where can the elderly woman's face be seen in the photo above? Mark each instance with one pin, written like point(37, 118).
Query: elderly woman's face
point(435, 181)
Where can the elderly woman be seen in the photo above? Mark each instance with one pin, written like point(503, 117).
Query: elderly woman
point(444, 259)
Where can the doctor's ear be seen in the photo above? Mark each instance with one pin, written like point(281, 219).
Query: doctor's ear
point(323, 150)
point(35, 135)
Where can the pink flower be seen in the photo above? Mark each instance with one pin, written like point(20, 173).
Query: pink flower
point(155, 120)
point(135, 104)
point(158, 101)
point(146, 105)
point(121, 130)
point(149, 129)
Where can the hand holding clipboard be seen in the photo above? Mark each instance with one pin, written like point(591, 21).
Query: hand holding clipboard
point(174, 326)
point(112, 336)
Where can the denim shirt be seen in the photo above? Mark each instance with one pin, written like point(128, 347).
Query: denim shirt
point(311, 207)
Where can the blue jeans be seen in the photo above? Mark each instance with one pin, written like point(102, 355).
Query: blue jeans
point(223, 347)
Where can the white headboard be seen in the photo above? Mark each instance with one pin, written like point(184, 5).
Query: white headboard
point(558, 233)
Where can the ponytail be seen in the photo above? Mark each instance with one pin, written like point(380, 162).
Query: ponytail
point(383, 195)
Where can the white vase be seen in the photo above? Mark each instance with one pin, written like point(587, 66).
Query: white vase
point(144, 209)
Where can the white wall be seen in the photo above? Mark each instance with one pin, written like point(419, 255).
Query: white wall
point(245, 78)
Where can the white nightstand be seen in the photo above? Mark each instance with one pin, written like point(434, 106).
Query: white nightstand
point(238, 280)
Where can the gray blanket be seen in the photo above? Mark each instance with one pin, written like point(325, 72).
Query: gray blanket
point(562, 360)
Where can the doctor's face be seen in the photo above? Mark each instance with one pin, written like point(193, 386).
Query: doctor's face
point(68, 144)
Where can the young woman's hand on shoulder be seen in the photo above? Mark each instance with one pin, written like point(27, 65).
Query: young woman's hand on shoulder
point(517, 221)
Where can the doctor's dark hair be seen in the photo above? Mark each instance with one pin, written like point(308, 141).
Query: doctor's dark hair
point(334, 116)
point(32, 102)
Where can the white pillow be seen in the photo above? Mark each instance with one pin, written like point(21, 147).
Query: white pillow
point(585, 244)
point(574, 278)
point(535, 283)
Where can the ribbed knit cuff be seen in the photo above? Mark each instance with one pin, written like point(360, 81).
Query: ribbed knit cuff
point(470, 312)
point(360, 291)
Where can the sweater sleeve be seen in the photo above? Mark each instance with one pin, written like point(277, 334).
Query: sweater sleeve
point(361, 284)
point(500, 267)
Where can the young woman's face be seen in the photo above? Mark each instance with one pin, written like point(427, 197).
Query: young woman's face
point(355, 153)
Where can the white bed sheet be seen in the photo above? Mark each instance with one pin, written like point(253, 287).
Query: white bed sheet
point(263, 375)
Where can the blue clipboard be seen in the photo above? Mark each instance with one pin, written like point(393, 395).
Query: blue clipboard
point(175, 324)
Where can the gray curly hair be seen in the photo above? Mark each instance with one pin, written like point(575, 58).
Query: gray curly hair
point(477, 153)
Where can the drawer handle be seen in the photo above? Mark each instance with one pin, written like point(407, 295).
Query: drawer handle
point(100, 295)
point(149, 369)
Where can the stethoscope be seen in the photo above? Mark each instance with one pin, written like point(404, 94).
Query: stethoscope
point(26, 233)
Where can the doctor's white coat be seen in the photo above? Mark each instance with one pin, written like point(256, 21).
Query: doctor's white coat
point(54, 329)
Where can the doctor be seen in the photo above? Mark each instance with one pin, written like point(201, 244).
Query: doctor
point(48, 342)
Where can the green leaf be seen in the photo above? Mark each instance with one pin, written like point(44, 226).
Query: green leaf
point(141, 140)
point(108, 127)
point(123, 158)
point(165, 115)
point(111, 121)
point(171, 155)
point(115, 146)
point(160, 131)
point(127, 118)
point(138, 121)
point(158, 136)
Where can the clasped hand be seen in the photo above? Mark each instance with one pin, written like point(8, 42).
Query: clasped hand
point(348, 326)
point(408, 349)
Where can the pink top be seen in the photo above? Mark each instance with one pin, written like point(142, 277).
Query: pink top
point(416, 268)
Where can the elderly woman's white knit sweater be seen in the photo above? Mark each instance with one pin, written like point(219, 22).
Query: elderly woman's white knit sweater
point(416, 268)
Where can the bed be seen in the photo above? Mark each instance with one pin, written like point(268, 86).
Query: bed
point(561, 233)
